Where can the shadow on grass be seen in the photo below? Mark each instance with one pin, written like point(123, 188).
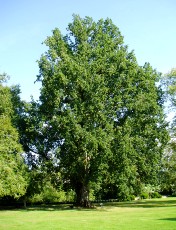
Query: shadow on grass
point(59, 207)
point(169, 219)
point(47, 207)
point(153, 203)
point(165, 202)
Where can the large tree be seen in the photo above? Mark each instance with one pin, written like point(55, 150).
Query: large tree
point(13, 177)
point(103, 110)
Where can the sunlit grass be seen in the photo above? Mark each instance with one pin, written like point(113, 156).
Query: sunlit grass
point(158, 214)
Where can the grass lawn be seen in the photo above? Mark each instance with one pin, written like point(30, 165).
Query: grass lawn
point(155, 214)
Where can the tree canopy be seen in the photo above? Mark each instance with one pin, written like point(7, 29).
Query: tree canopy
point(12, 169)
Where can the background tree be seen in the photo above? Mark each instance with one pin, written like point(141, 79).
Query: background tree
point(34, 136)
point(103, 110)
point(168, 172)
point(170, 83)
point(168, 175)
point(13, 174)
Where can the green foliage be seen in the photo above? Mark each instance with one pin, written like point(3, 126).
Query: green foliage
point(127, 198)
point(148, 188)
point(152, 195)
point(49, 194)
point(168, 172)
point(70, 196)
point(155, 195)
point(150, 191)
point(12, 169)
point(144, 195)
point(169, 81)
point(168, 175)
point(5, 99)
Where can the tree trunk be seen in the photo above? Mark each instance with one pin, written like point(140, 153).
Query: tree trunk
point(82, 196)
point(24, 202)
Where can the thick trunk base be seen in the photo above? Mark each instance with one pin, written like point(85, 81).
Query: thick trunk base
point(82, 199)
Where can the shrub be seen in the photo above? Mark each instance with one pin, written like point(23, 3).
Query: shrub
point(52, 195)
point(70, 196)
point(144, 195)
point(36, 198)
point(155, 195)
point(49, 194)
point(130, 197)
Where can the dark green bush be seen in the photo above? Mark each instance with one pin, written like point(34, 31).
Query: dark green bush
point(155, 195)
point(131, 197)
point(144, 195)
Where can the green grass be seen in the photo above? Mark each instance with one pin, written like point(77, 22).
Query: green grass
point(158, 214)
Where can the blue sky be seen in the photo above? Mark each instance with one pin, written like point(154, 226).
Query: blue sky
point(148, 28)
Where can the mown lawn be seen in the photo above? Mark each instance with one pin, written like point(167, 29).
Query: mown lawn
point(158, 214)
